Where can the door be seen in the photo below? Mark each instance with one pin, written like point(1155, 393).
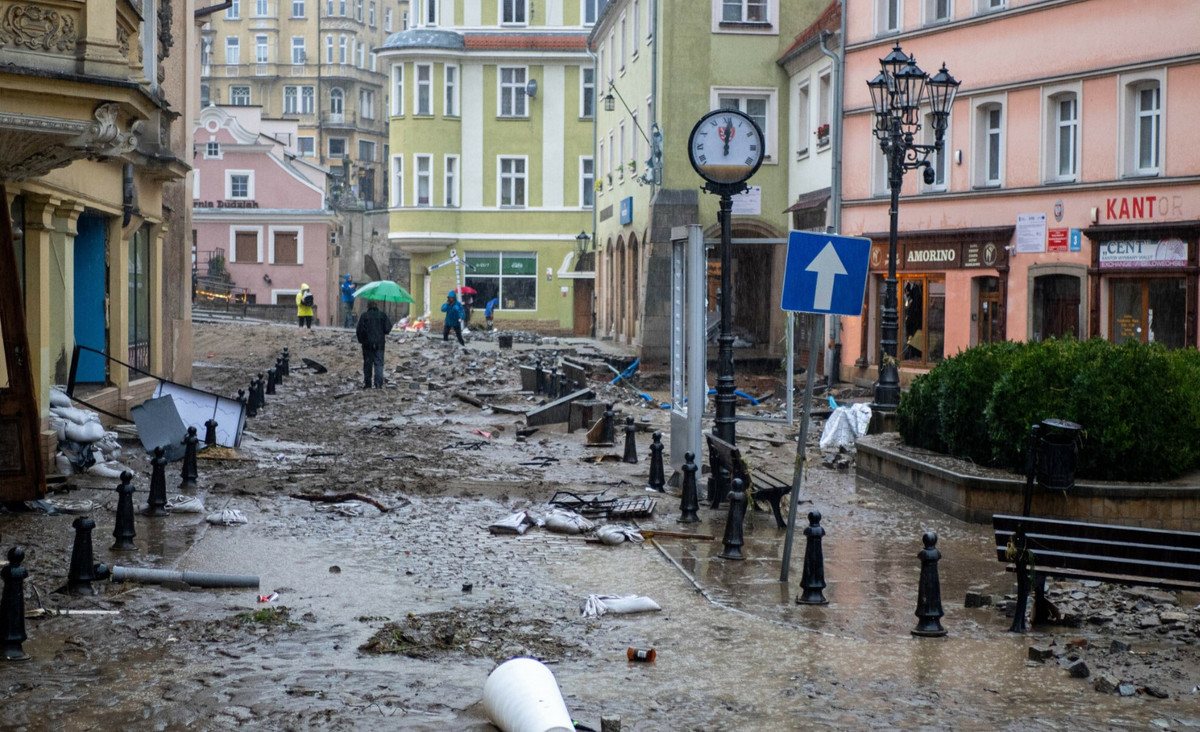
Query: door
point(91, 289)
point(583, 307)
point(990, 320)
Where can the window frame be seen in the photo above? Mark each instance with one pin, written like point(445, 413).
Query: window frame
point(302, 47)
point(262, 48)
point(311, 151)
point(769, 25)
point(233, 43)
point(213, 150)
point(587, 182)
point(983, 134)
point(271, 233)
point(398, 90)
point(450, 101)
point(366, 103)
point(248, 97)
point(587, 7)
point(298, 4)
point(337, 98)
point(329, 147)
point(519, 15)
point(396, 175)
point(768, 94)
point(500, 276)
point(938, 160)
point(451, 175)
point(1055, 125)
point(513, 89)
point(930, 12)
point(232, 173)
point(521, 179)
point(587, 93)
point(258, 241)
point(370, 145)
point(422, 177)
point(234, 11)
point(262, 9)
point(889, 17)
point(423, 96)
point(1132, 122)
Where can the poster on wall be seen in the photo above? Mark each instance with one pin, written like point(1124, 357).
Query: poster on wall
point(1031, 233)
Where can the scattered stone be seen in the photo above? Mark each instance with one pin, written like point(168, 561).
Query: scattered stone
point(1078, 643)
point(977, 599)
point(1105, 683)
point(1040, 653)
point(1149, 621)
point(1079, 670)
point(1126, 689)
point(1172, 617)
point(1155, 691)
point(610, 724)
point(1119, 647)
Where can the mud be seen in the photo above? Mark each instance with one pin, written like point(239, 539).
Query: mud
point(392, 618)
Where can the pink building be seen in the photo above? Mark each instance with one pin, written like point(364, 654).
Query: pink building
point(1067, 199)
point(262, 210)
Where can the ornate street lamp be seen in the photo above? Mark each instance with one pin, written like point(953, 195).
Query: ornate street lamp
point(581, 243)
point(898, 93)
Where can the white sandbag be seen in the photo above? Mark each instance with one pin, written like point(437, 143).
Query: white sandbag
point(86, 432)
point(845, 425)
point(613, 534)
point(78, 416)
point(185, 504)
point(62, 464)
point(59, 398)
point(563, 521)
point(521, 695)
point(107, 470)
point(517, 523)
point(109, 445)
point(59, 425)
point(226, 517)
point(596, 605)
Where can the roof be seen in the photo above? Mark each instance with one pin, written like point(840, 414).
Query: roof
point(424, 38)
point(829, 20)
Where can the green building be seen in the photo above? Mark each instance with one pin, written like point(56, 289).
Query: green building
point(490, 157)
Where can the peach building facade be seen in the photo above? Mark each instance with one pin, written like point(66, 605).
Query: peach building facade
point(1067, 198)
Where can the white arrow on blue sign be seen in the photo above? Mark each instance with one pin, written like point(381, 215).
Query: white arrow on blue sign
point(825, 273)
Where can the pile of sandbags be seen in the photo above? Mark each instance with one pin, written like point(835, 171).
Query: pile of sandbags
point(84, 446)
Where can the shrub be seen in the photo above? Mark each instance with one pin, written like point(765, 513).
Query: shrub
point(917, 415)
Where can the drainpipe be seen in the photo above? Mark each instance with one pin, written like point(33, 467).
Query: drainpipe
point(595, 177)
point(833, 366)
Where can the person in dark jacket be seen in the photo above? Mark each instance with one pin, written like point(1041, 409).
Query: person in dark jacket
point(454, 318)
point(373, 327)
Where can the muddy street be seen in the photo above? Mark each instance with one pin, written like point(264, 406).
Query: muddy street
point(391, 613)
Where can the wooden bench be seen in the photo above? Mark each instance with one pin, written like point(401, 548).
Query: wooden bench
point(1107, 553)
point(727, 464)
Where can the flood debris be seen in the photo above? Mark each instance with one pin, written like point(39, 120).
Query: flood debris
point(170, 577)
point(596, 605)
point(339, 498)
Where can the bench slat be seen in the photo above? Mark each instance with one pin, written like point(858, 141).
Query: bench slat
point(1114, 578)
point(1083, 530)
point(1047, 561)
point(1121, 550)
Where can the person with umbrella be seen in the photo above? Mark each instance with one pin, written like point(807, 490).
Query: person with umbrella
point(374, 325)
point(454, 318)
point(468, 304)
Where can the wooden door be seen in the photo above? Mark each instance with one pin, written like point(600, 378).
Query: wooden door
point(583, 307)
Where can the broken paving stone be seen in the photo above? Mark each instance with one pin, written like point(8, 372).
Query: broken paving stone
point(977, 599)
point(1105, 683)
point(1079, 670)
point(1149, 621)
point(1119, 647)
point(1040, 653)
point(1172, 617)
point(1155, 691)
point(1126, 689)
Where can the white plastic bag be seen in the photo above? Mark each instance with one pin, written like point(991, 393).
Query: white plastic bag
point(562, 521)
point(226, 517)
point(846, 425)
point(185, 504)
point(613, 534)
point(517, 523)
point(596, 605)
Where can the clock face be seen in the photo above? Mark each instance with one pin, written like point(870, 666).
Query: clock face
point(726, 146)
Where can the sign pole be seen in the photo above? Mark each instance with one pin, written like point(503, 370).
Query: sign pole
point(818, 328)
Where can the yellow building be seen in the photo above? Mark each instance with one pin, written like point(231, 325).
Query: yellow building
point(95, 110)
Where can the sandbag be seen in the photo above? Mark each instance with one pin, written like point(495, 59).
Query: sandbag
point(59, 398)
point(78, 416)
point(563, 521)
point(87, 432)
point(597, 605)
point(613, 534)
point(516, 523)
point(59, 425)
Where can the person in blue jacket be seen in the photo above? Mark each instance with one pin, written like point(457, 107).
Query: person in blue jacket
point(489, 311)
point(454, 318)
point(348, 288)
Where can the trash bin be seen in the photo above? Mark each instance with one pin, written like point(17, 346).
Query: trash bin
point(1057, 453)
point(505, 342)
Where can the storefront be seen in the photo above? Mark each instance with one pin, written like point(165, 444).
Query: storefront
point(1145, 282)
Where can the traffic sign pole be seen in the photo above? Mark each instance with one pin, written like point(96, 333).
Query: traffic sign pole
point(818, 329)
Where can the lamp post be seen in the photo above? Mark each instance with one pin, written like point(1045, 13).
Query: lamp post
point(897, 94)
point(581, 244)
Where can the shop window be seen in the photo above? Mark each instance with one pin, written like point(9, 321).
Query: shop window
point(1055, 307)
point(1151, 310)
point(510, 276)
point(921, 335)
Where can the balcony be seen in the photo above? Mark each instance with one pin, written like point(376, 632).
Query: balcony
point(352, 72)
point(338, 119)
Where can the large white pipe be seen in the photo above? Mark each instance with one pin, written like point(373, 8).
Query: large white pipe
point(521, 695)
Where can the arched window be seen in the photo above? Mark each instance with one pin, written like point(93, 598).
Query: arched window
point(337, 101)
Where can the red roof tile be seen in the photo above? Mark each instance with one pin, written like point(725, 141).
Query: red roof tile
point(830, 20)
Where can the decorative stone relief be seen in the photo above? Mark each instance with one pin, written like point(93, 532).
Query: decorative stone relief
point(37, 28)
point(123, 42)
point(33, 145)
point(165, 38)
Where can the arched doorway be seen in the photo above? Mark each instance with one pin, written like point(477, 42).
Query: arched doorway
point(633, 296)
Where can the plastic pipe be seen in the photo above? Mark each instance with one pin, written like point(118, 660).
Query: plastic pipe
point(521, 695)
point(195, 579)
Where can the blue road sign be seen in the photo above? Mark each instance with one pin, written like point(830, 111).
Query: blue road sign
point(825, 273)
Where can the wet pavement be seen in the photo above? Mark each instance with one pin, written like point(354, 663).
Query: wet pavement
point(733, 649)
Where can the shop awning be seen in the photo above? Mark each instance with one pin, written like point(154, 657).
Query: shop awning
point(810, 200)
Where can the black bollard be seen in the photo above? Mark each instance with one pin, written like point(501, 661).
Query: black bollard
point(124, 532)
point(552, 386)
point(564, 385)
point(630, 441)
point(189, 473)
point(262, 390)
point(287, 363)
point(279, 371)
point(540, 380)
point(84, 570)
point(658, 478)
point(929, 592)
point(271, 381)
point(252, 399)
point(243, 399)
point(210, 433)
point(733, 522)
point(608, 434)
point(689, 502)
point(812, 581)
point(12, 606)
point(156, 504)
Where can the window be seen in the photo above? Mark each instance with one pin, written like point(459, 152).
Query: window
point(1066, 137)
point(404, 20)
point(239, 184)
point(360, 55)
point(512, 91)
point(397, 180)
point(939, 160)
point(887, 16)
point(649, 20)
point(611, 50)
point(233, 50)
point(587, 92)
point(306, 146)
point(423, 184)
point(297, 8)
point(342, 8)
point(424, 99)
point(366, 151)
point(213, 150)
point(1150, 310)
point(285, 247)
point(371, 13)
point(337, 102)
point(387, 19)
point(205, 56)
point(759, 106)
point(337, 147)
point(245, 246)
point(633, 138)
point(397, 90)
point(239, 96)
point(234, 11)
point(261, 8)
point(451, 81)
point(604, 159)
point(805, 135)
point(298, 100)
point(139, 299)
point(374, 58)
point(431, 12)
point(922, 332)
point(744, 11)
point(509, 276)
point(938, 11)
point(619, 152)
point(587, 182)
point(635, 15)
point(366, 103)
point(589, 10)
point(299, 55)
point(622, 43)
point(1144, 119)
point(329, 49)
point(205, 95)
point(342, 41)
point(261, 50)
point(451, 181)
point(990, 122)
point(824, 102)
point(987, 6)
point(512, 182)
point(358, 10)
point(513, 12)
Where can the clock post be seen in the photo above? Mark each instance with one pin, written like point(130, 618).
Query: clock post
point(726, 147)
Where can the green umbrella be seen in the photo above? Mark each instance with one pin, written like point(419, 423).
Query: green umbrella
point(385, 290)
